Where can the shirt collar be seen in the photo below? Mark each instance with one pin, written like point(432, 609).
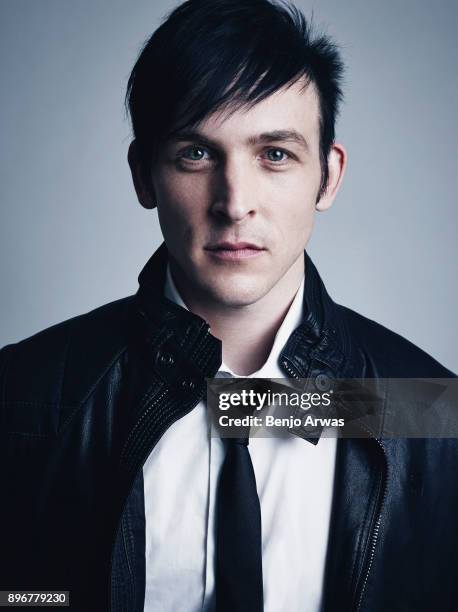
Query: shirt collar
point(293, 319)
point(171, 291)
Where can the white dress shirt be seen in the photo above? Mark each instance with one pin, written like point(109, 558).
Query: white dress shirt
point(294, 480)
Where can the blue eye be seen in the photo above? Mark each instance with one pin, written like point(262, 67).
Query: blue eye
point(194, 153)
point(276, 155)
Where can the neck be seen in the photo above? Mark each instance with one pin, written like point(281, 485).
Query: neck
point(248, 332)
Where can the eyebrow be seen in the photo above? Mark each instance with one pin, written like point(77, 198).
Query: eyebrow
point(263, 138)
point(280, 136)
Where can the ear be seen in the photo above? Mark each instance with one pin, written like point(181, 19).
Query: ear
point(145, 193)
point(337, 162)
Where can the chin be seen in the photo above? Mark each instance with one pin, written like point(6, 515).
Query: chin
point(236, 292)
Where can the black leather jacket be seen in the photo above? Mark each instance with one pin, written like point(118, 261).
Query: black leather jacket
point(84, 402)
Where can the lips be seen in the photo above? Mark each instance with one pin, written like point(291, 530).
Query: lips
point(235, 251)
point(234, 246)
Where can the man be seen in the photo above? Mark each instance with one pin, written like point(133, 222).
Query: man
point(113, 486)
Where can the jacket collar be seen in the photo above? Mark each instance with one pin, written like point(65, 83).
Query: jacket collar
point(166, 330)
point(322, 341)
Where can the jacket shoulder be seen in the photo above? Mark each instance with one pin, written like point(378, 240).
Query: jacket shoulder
point(386, 353)
point(61, 364)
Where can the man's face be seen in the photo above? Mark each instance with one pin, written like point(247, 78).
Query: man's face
point(236, 198)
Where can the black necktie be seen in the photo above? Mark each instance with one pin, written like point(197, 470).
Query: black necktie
point(238, 574)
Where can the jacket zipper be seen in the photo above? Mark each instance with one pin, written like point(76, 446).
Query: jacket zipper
point(138, 423)
point(375, 530)
point(122, 456)
point(118, 526)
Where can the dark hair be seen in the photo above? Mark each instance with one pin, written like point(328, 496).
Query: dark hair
point(212, 54)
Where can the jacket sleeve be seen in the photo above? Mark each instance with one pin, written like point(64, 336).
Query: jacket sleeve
point(19, 462)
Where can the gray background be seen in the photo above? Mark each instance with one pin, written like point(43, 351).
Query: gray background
point(73, 236)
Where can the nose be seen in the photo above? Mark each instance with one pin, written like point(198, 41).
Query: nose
point(234, 191)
